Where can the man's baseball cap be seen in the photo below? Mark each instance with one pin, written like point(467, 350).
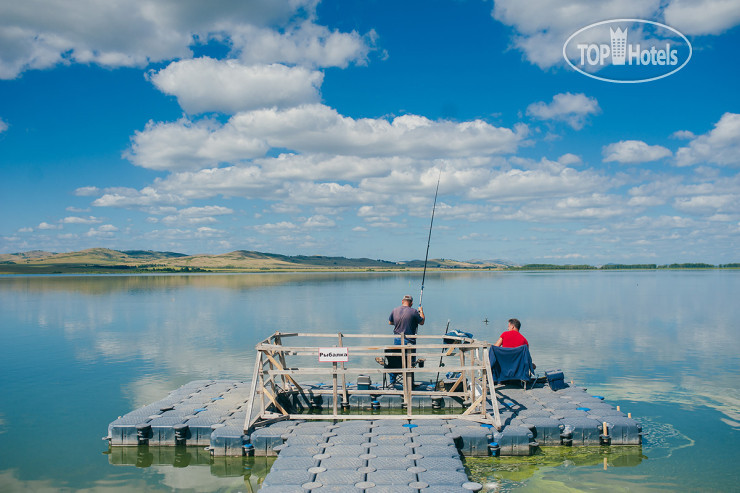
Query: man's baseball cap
point(408, 298)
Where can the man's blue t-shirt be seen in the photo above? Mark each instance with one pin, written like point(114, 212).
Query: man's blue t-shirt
point(406, 320)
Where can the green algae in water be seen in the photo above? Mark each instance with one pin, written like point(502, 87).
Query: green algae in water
point(509, 473)
point(571, 469)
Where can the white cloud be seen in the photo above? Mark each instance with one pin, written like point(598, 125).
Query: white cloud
point(81, 220)
point(197, 215)
point(131, 198)
point(314, 128)
point(3, 126)
point(645, 201)
point(45, 225)
point(38, 34)
point(87, 191)
point(683, 135)
point(319, 222)
point(694, 17)
point(593, 206)
point(720, 146)
point(206, 84)
point(186, 145)
point(633, 151)
point(276, 228)
point(569, 159)
point(709, 204)
point(206, 232)
point(523, 184)
point(318, 128)
point(542, 26)
point(305, 43)
point(104, 231)
point(573, 109)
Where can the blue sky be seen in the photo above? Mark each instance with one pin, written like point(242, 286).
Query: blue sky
point(299, 127)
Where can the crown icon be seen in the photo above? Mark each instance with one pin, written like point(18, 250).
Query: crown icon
point(619, 45)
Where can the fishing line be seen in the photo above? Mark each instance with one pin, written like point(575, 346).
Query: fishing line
point(429, 240)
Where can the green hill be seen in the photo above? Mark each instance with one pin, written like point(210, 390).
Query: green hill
point(102, 260)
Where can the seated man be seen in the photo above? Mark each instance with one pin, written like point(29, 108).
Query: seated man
point(512, 338)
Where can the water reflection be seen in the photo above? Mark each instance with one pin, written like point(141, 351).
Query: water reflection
point(249, 472)
point(664, 345)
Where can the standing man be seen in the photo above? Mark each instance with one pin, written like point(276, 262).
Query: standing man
point(406, 321)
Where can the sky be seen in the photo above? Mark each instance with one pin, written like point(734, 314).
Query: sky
point(322, 128)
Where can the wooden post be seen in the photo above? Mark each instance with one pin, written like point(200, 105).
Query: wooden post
point(334, 381)
point(494, 401)
point(252, 389)
point(345, 394)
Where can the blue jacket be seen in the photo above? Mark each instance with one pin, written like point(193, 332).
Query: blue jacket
point(510, 363)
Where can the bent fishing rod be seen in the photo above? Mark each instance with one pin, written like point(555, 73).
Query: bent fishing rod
point(429, 240)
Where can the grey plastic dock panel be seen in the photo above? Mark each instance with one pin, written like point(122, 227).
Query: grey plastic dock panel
point(212, 412)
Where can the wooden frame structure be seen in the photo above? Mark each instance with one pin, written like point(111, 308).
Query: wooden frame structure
point(276, 375)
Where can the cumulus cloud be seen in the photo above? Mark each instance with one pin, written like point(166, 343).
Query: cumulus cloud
point(38, 34)
point(206, 84)
point(319, 222)
point(695, 17)
point(633, 151)
point(542, 26)
point(305, 43)
point(45, 225)
point(197, 215)
point(313, 128)
point(720, 146)
point(208, 232)
point(187, 145)
point(3, 126)
point(551, 179)
point(81, 220)
point(87, 191)
point(132, 198)
point(573, 109)
point(569, 159)
point(709, 204)
point(104, 231)
point(281, 227)
point(593, 206)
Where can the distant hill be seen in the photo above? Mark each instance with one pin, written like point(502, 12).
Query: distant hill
point(97, 260)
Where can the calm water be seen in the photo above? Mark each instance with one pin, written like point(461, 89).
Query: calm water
point(77, 352)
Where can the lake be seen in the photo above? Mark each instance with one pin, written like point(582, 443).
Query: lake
point(76, 352)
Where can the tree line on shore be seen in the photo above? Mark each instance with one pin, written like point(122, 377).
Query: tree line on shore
point(696, 265)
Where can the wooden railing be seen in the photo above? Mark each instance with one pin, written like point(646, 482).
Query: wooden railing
point(280, 370)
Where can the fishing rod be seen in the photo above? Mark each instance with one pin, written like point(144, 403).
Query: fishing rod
point(441, 364)
point(429, 240)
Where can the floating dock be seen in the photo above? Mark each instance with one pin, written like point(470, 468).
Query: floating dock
point(358, 436)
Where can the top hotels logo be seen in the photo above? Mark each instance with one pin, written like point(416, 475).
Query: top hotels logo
point(627, 51)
